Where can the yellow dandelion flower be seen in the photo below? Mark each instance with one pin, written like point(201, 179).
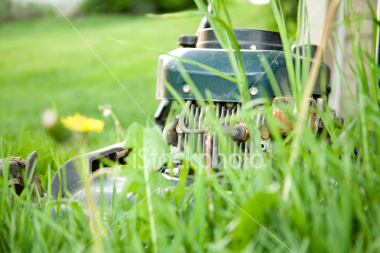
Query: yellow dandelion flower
point(82, 123)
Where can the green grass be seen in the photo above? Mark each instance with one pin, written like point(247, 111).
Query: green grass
point(327, 201)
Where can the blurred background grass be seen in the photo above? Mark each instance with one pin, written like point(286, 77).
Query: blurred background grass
point(44, 61)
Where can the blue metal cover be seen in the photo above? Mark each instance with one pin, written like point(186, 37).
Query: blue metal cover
point(220, 88)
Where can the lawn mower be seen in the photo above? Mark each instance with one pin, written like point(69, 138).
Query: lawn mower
point(187, 130)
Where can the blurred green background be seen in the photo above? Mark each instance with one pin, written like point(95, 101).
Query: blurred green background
point(44, 61)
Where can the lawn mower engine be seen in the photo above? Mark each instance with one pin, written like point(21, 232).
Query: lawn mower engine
point(256, 46)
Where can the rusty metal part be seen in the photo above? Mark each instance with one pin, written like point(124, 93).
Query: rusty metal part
point(281, 106)
point(278, 106)
point(16, 166)
point(15, 173)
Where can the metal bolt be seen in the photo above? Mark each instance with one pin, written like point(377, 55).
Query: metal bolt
point(254, 91)
point(239, 133)
point(186, 88)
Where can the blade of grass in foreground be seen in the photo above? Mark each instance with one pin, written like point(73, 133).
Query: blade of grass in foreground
point(304, 108)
